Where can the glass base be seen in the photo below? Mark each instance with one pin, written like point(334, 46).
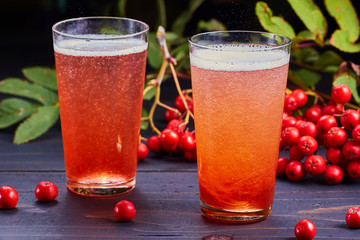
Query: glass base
point(100, 190)
point(233, 217)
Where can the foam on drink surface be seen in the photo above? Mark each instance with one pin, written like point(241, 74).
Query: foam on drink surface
point(97, 45)
point(238, 57)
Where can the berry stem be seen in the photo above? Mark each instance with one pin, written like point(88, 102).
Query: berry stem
point(160, 37)
point(157, 97)
point(176, 80)
point(167, 60)
point(168, 107)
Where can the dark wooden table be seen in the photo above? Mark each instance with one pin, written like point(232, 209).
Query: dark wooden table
point(166, 199)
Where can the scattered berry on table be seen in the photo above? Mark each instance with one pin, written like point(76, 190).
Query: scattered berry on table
point(46, 191)
point(8, 197)
point(305, 230)
point(352, 217)
point(124, 211)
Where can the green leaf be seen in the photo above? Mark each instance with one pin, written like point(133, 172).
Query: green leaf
point(345, 15)
point(150, 94)
point(312, 17)
point(341, 40)
point(161, 9)
point(154, 54)
point(22, 88)
point(306, 34)
point(351, 82)
point(122, 8)
point(296, 80)
point(306, 55)
point(43, 76)
point(307, 77)
point(109, 30)
point(181, 21)
point(144, 123)
point(272, 23)
point(328, 58)
point(302, 36)
point(331, 69)
point(211, 25)
point(182, 49)
point(37, 124)
point(13, 110)
point(171, 37)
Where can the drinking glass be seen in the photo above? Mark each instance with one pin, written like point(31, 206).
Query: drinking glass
point(100, 67)
point(239, 81)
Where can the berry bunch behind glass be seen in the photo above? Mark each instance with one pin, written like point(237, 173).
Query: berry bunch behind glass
point(337, 129)
point(175, 138)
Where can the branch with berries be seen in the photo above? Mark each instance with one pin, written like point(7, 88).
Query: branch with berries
point(175, 136)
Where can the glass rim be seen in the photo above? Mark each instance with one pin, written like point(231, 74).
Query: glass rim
point(106, 37)
point(287, 42)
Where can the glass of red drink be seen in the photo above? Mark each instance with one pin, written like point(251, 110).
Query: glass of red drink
point(100, 67)
point(239, 81)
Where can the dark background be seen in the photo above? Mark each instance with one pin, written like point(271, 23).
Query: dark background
point(26, 25)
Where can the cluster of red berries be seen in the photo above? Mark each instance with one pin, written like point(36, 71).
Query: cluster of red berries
point(47, 191)
point(44, 192)
point(319, 125)
point(174, 138)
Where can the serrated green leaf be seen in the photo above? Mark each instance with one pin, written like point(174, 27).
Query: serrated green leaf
point(211, 25)
point(22, 88)
point(272, 23)
point(328, 58)
point(341, 40)
point(13, 110)
point(43, 76)
point(154, 54)
point(306, 34)
point(308, 77)
point(311, 15)
point(37, 124)
point(144, 123)
point(302, 36)
point(351, 82)
point(181, 21)
point(345, 15)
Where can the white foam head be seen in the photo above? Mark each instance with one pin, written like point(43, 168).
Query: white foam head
point(238, 57)
point(96, 45)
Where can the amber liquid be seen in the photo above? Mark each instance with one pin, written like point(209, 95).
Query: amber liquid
point(238, 122)
point(100, 98)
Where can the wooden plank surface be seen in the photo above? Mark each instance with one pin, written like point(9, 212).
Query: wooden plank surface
point(167, 206)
